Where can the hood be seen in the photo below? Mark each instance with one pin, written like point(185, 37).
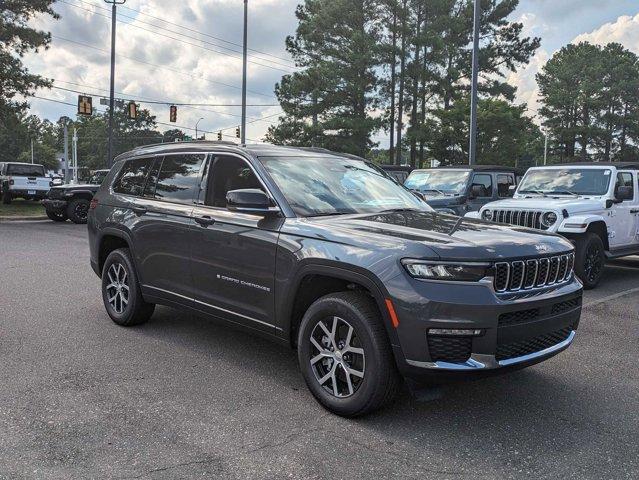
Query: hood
point(423, 233)
point(573, 205)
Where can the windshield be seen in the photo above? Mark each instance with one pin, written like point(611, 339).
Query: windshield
point(98, 177)
point(335, 185)
point(573, 181)
point(438, 181)
point(25, 170)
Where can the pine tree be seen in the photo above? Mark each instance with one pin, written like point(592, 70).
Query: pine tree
point(330, 102)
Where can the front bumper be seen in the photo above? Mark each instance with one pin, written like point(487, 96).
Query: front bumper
point(54, 205)
point(515, 331)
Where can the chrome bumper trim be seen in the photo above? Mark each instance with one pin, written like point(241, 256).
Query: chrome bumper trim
point(487, 362)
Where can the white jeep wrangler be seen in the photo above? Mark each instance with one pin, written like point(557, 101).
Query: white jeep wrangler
point(594, 205)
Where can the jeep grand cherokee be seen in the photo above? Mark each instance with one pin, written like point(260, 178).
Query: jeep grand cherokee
point(326, 253)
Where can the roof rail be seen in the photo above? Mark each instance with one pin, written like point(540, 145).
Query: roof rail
point(219, 142)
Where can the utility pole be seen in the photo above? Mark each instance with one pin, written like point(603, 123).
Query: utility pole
point(32, 151)
point(66, 151)
point(472, 151)
point(114, 4)
point(196, 124)
point(75, 156)
point(244, 54)
point(545, 147)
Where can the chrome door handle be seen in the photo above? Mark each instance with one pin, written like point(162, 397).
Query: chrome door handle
point(205, 220)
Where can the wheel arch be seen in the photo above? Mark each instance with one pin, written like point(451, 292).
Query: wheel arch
point(314, 281)
point(111, 239)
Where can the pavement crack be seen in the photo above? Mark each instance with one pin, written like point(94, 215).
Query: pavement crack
point(173, 467)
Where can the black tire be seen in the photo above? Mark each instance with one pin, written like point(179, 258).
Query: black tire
point(78, 210)
point(133, 310)
point(356, 395)
point(590, 259)
point(6, 197)
point(57, 216)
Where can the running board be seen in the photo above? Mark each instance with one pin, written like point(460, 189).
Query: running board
point(622, 252)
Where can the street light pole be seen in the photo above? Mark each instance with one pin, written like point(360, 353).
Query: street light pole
point(243, 129)
point(472, 151)
point(545, 147)
point(196, 124)
point(114, 4)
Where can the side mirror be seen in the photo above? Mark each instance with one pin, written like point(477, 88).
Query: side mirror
point(511, 190)
point(250, 200)
point(624, 193)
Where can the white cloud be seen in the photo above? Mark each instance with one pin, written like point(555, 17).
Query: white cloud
point(625, 30)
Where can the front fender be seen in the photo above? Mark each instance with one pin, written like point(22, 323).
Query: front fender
point(473, 215)
point(578, 223)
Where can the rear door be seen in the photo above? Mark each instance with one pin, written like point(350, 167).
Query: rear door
point(161, 224)
point(233, 254)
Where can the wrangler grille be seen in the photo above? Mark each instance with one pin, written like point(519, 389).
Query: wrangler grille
point(540, 272)
point(522, 218)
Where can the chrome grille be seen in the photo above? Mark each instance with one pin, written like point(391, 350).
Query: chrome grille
point(522, 218)
point(538, 272)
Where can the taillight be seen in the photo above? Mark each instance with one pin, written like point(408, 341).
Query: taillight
point(51, 183)
point(11, 182)
point(93, 204)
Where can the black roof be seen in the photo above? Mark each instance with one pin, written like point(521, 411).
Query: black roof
point(480, 168)
point(623, 165)
point(257, 149)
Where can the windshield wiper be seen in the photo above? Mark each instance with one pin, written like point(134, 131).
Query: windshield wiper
point(328, 214)
point(400, 210)
point(562, 192)
point(434, 190)
point(538, 192)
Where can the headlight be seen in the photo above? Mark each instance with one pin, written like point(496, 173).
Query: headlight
point(548, 219)
point(487, 215)
point(460, 272)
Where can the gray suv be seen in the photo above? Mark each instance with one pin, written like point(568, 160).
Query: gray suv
point(324, 252)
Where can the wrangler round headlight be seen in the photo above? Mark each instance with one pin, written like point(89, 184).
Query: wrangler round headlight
point(548, 219)
point(487, 215)
point(451, 271)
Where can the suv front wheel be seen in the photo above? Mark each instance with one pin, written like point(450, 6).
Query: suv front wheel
point(345, 356)
point(121, 291)
point(590, 259)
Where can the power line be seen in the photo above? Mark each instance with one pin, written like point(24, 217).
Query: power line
point(150, 100)
point(175, 70)
point(288, 69)
point(161, 102)
point(204, 34)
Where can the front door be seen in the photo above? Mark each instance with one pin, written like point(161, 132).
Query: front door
point(233, 254)
point(625, 213)
point(485, 183)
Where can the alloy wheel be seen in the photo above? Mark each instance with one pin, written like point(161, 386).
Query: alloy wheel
point(337, 357)
point(118, 288)
point(593, 264)
point(81, 211)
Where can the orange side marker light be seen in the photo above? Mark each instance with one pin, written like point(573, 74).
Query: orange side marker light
point(391, 312)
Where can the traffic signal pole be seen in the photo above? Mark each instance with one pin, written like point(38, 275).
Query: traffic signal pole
point(243, 129)
point(472, 150)
point(114, 4)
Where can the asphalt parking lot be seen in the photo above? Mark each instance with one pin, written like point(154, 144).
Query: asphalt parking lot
point(184, 397)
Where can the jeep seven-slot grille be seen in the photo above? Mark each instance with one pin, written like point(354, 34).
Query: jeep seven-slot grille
point(523, 218)
point(539, 272)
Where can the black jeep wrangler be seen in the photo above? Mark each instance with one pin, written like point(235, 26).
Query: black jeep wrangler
point(72, 201)
point(324, 252)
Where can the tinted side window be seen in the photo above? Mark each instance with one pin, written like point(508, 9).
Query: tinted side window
point(132, 176)
point(178, 179)
point(624, 179)
point(485, 181)
point(228, 173)
point(503, 184)
point(151, 183)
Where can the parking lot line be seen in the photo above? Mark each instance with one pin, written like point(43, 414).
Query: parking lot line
point(610, 297)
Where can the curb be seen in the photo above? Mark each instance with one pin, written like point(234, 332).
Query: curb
point(23, 219)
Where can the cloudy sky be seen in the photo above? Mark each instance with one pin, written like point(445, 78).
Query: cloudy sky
point(189, 51)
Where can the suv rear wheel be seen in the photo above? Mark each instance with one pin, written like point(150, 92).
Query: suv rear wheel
point(121, 291)
point(78, 210)
point(345, 355)
point(590, 259)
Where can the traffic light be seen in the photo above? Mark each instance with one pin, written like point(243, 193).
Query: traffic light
point(219, 136)
point(132, 110)
point(237, 132)
point(85, 105)
point(173, 114)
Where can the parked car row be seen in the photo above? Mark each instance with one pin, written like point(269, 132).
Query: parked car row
point(23, 180)
point(323, 252)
